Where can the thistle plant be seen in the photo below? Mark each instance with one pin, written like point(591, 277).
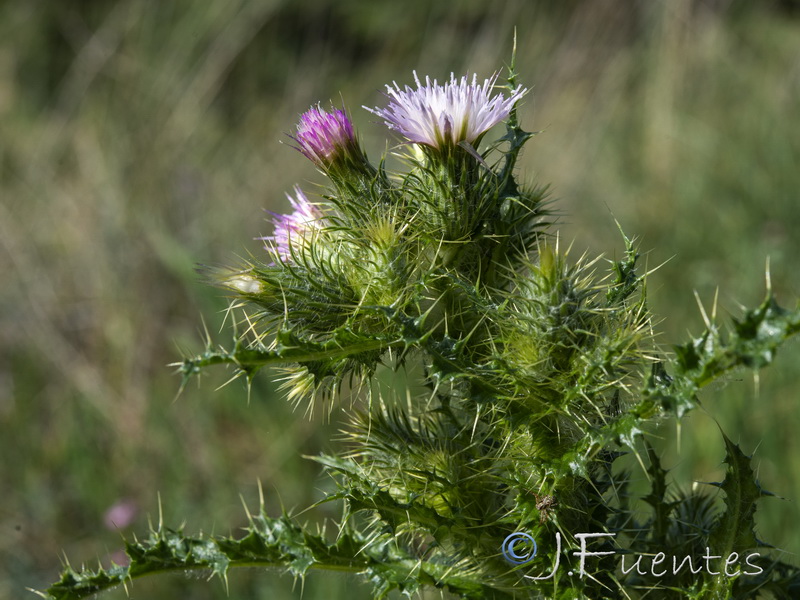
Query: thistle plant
point(502, 479)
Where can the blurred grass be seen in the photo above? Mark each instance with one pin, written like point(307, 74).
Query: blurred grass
point(139, 138)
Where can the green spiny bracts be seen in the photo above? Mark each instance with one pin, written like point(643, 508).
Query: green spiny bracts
point(532, 374)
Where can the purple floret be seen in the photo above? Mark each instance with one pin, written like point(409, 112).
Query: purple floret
point(292, 229)
point(458, 111)
point(323, 136)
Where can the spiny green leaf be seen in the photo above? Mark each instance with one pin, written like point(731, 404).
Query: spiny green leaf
point(734, 533)
point(273, 543)
point(734, 530)
point(657, 498)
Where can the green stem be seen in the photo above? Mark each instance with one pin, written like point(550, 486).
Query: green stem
point(282, 547)
point(251, 360)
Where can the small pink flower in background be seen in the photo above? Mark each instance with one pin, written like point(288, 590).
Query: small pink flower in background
point(436, 115)
point(325, 136)
point(292, 229)
point(119, 557)
point(121, 514)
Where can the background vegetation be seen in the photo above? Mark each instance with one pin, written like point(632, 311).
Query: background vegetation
point(139, 138)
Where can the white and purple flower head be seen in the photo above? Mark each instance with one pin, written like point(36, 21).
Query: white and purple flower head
point(439, 115)
point(325, 136)
point(292, 230)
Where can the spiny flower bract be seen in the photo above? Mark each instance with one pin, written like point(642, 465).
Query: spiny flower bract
point(458, 111)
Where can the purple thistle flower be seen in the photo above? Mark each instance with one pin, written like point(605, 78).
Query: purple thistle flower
point(292, 229)
point(324, 136)
point(455, 112)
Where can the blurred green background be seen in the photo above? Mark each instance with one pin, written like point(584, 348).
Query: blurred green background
point(138, 138)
